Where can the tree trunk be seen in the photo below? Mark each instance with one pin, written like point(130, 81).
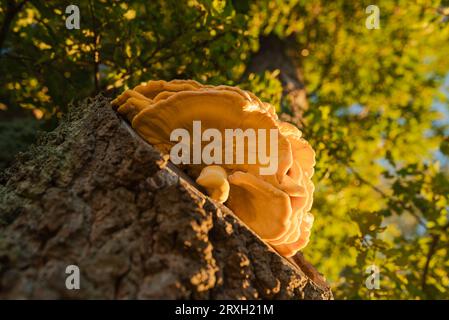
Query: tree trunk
point(95, 195)
point(281, 54)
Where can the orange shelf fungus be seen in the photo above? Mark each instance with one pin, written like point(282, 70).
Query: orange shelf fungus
point(234, 146)
point(215, 180)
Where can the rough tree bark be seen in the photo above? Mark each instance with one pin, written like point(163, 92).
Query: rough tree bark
point(93, 194)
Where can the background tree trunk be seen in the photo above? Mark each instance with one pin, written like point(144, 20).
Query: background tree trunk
point(281, 54)
point(93, 194)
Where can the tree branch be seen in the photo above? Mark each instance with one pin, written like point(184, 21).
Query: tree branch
point(432, 249)
point(96, 43)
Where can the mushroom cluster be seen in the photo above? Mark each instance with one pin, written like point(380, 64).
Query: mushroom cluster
point(276, 206)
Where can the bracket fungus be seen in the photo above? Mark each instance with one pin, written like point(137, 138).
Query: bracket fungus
point(275, 203)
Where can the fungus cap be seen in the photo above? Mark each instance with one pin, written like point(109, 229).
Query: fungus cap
point(276, 206)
